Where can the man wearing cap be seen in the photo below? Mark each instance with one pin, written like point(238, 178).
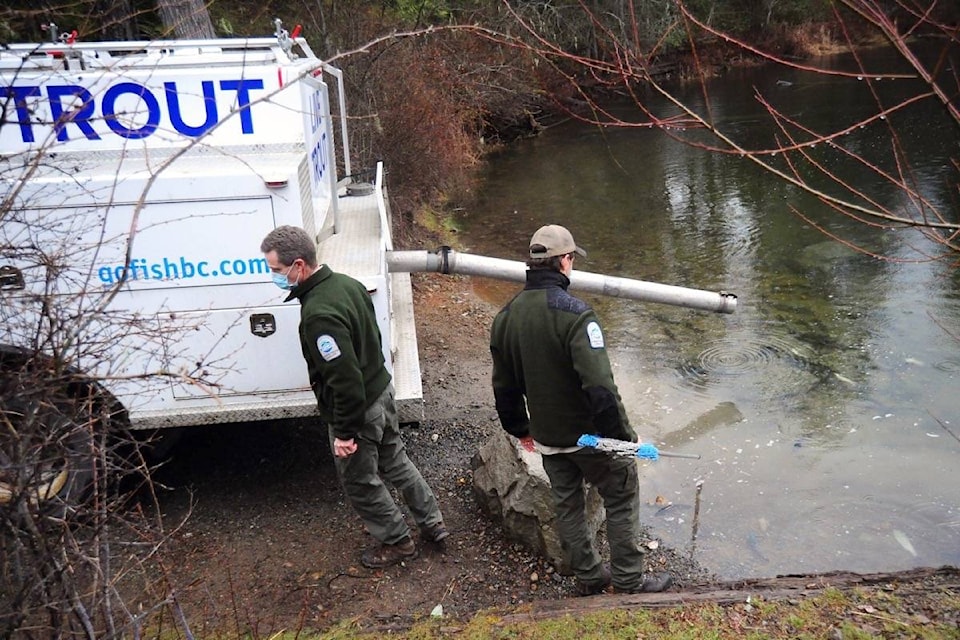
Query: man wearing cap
point(549, 359)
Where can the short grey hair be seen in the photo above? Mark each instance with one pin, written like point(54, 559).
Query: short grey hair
point(290, 243)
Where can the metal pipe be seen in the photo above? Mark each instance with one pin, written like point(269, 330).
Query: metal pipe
point(671, 454)
point(446, 260)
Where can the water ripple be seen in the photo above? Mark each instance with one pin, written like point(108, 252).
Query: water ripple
point(734, 355)
point(730, 357)
point(949, 365)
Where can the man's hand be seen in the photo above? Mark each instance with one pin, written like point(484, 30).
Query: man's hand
point(527, 443)
point(344, 448)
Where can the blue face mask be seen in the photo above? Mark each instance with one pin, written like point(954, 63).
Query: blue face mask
point(280, 279)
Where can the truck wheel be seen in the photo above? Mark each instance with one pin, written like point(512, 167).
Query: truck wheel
point(47, 454)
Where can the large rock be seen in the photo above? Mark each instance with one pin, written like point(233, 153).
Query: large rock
point(513, 489)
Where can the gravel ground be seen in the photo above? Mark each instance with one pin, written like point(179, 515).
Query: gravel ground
point(261, 538)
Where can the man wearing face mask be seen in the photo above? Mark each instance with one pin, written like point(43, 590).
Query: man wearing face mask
point(341, 344)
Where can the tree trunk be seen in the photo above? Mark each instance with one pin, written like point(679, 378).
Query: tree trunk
point(186, 19)
point(117, 18)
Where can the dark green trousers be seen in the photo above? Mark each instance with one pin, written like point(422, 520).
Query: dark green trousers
point(616, 481)
point(381, 456)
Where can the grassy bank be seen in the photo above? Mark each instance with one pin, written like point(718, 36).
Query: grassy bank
point(886, 612)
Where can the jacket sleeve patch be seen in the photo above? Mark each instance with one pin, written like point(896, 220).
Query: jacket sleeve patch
point(328, 348)
point(595, 335)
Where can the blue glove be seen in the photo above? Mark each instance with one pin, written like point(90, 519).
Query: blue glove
point(648, 451)
point(587, 440)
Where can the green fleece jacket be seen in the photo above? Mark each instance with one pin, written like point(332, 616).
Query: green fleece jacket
point(549, 358)
point(341, 344)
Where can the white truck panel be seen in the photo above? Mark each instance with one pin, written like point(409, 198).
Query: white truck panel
point(139, 179)
point(142, 104)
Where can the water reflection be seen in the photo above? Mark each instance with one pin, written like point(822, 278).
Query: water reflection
point(824, 409)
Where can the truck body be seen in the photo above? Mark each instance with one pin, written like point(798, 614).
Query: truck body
point(138, 179)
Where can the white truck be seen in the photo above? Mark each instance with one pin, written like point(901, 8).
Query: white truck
point(137, 181)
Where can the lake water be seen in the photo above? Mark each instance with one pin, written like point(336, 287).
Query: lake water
point(827, 408)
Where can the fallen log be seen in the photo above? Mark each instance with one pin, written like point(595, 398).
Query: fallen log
point(730, 592)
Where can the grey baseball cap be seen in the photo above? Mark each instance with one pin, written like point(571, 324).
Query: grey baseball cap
point(553, 240)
